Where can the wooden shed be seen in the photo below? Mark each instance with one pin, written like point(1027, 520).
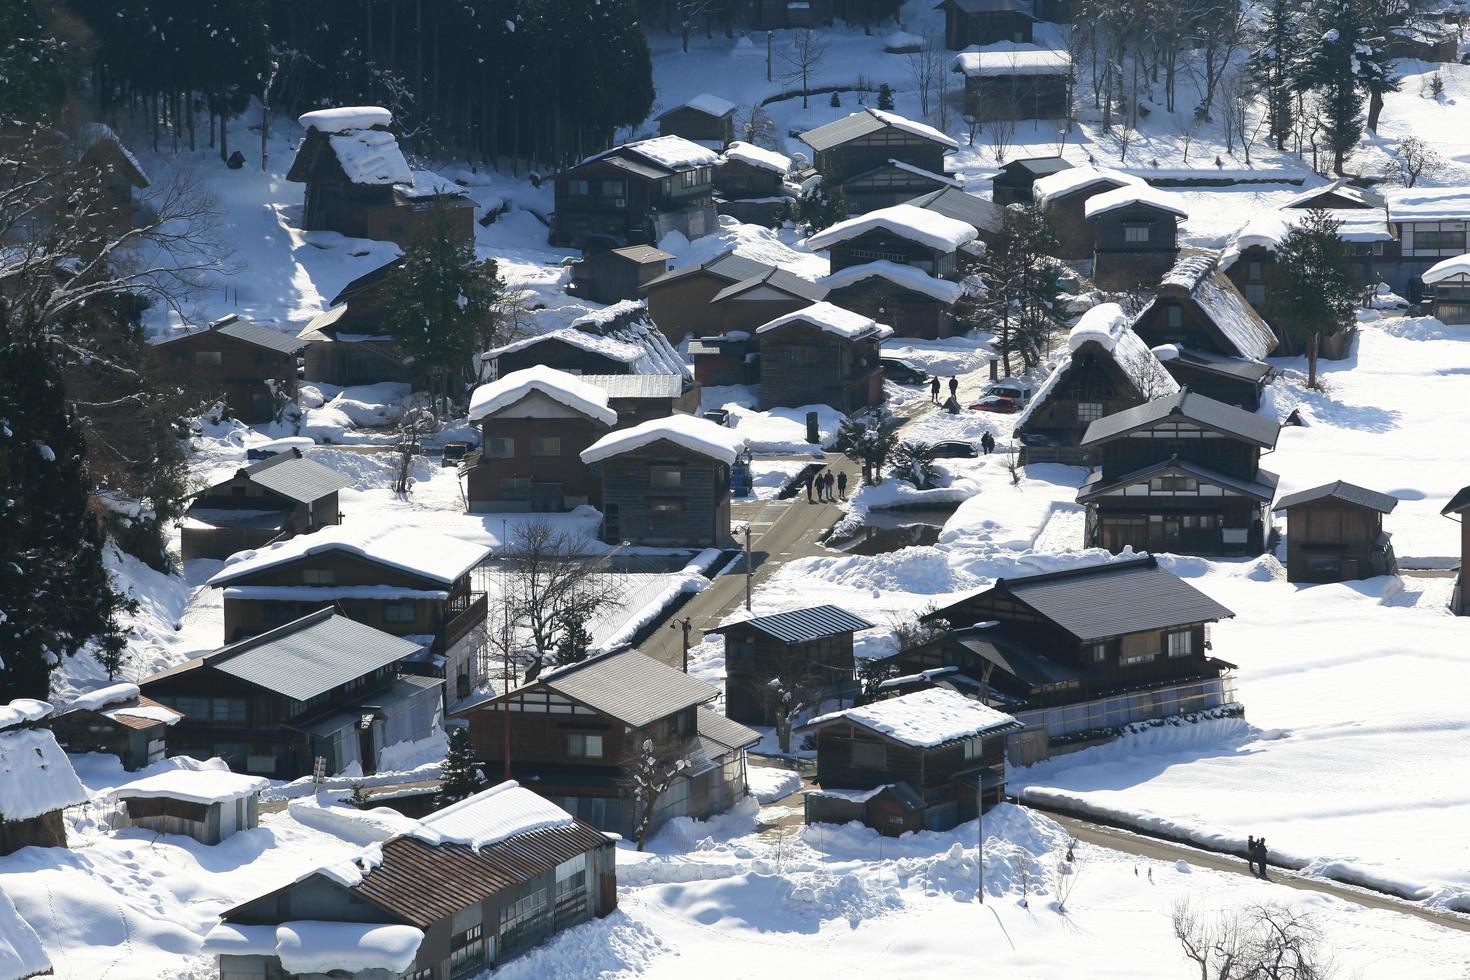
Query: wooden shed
point(1011, 82)
point(705, 119)
point(1017, 177)
point(1063, 196)
point(968, 22)
point(117, 720)
point(822, 355)
point(1135, 236)
point(617, 274)
point(241, 363)
point(901, 157)
point(808, 650)
point(750, 184)
point(209, 805)
point(270, 500)
point(1334, 533)
point(1449, 284)
point(37, 781)
point(350, 343)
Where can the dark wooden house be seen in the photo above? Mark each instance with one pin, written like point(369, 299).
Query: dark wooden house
point(1458, 510)
point(908, 300)
point(534, 424)
point(678, 300)
point(1334, 533)
point(1063, 196)
point(1448, 285)
point(207, 805)
point(241, 363)
point(1180, 474)
point(635, 194)
point(705, 119)
point(743, 306)
point(724, 360)
point(922, 761)
point(411, 583)
point(359, 184)
point(1429, 225)
point(666, 482)
point(986, 217)
point(1104, 369)
point(750, 184)
point(37, 781)
point(617, 274)
point(1011, 82)
point(808, 650)
point(472, 887)
point(273, 499)
point(968, 22)
point(350, 343)
point(1135, 232)
point(1337, 195)
point(565, 349)
point(880, 158)
point(117, 720)
point(575, 731)
point(321, 686)
point(822, 355)
point(1013, 185)
point(102, 152)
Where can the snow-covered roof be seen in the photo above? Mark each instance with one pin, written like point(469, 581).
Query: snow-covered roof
point(866, 122)
point(104, 696)
point(1108, 326)
point(319, 947)
point(909, 168)
point(35, 775)
point(193, 785)
point(924, 719)
point(426, 183)
point(344, 119)
point(93, 133)
point(1239, 323)
point(490, 816)
point(21, 954)
point(123, 701)
point(706, 103)
point(1447, 269)
point(669, 152)
point(928, 228)
point(418, 551)
point(1011, 59)
point(906, 276)
point(910, 126)
point(1267, 229)
point(370, 156)
point(1428, 203)
point(1122, 197)
point(615, 350)
point(693, 433)
point(758, 156)
point(22, 711)
point(567, 389)
point(1074, 179)
point(828, 317)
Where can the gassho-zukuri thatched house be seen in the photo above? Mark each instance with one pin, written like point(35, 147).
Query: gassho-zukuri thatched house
point(37, 781)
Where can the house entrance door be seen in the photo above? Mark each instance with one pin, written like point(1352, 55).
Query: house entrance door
point(1164, 531)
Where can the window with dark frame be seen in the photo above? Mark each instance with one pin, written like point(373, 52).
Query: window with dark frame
point(546, 446)
point(1136, 234)
point(467, 951)
point(584, 746)
point(665, 478)
point(400, 612)
point(866, 755)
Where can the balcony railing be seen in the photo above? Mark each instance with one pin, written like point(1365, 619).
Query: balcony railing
point(462, 613)
point(1125, 709)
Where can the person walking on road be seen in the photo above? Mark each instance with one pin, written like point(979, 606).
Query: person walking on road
point(1261, 857)
point(987, 442)
point(1250, 854)
point(810, 478)
point(842, 485)
point(934, 389)
point(828, 483)
point(954, 387)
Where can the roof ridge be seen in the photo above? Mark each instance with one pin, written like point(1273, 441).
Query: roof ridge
point(1139, 562)
point(286, 629)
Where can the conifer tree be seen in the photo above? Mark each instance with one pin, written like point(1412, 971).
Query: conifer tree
point(1331, 69)
point(885, 97)
point(1316, 293)
point(459, 776)
point(1275, 63)
point(823, 205)
point(575, 642)
point(1019, 301)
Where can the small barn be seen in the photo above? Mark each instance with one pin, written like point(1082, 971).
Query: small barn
point(1448, 285)
point(905, 234)
point(270, 500)
point(1063, 196)
point(1104, 369)
point(822, 355)
point(968, 22)
point(678, 300)
point(37, 781)
point(1458, 510)
point(705, 119)
point(209, 805)
point(349, 343)
point(117, 720)
point(1135, 236)
point(617, 274)
point(21, 953)
point(1013, 185)
point(1334, 533)
point(750, 184)
point(1016, 81)
point(244, 364)
point(103, 152)
point(726, 359)
point(807, 650)
point(909, 300)
point(666, 482)
point(922, 761)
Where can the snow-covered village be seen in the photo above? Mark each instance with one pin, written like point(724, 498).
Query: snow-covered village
point(597, 489)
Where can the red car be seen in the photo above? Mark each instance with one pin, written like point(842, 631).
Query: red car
point(996, 403)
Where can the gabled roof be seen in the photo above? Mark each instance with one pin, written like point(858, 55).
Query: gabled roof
point(243, 330)
point(637, 385)
point(903, 276)
point(665, 154)
point(592, 343)
point(1447, 269)
point(1071, 180)
point(1428, 203)
point(778, 279)
point(1096, 602)
point(1348, 493)
point(1208, 362)
point(758, 157)
point(696, 435)
point(627, 322)
point(1341, 188)
point(928, 228)
point(1459, 502)
point(1134, 195)
point(304, 658)
point(729, 266)
point(801, 625)
point(1037, 166)
point(1262, 488)
point(952, 202)
point(1207, 412)
point(566, 389)
point(366, 281)
point(704, 102)
point(1007, 59)
point(1199, 278)
point(295, 477)
point(829, 319)
point(924, 719)
point(889, 165)
point(96, 137)
point(630, 686)
point(869, 121)
point(417, 551)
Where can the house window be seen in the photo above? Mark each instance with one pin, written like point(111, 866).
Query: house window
point(400, 612)
point(665, 477)
point(1175, 315)
point(571, 890)
point(1255, 293)
point(212, 358)
point(227, 710)
point(318, 576)
point(666, 508)
point(613, 188)
point(546, 446)
point(179, 356)
point(1253, 271)
point(579, 188)
point(866, 755)
point(1377, 248)
point(974, 748)
point(520, 920)
point(689, 178)
point(1089, 411)
point(1099, 653)
point(500, 447)
point(1135, 234)
point(1181, 644)
point(1174, 484)
point(515, 488)
point(1139, 648)
point(467, 952)
point(584, 746)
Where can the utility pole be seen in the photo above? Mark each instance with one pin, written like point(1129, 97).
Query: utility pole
point(505, 650)
point(769, 35)
point(686, 626)
point(747, 566)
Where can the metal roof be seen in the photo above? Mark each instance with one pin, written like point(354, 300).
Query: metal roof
point(367, 280)
point(250, 333)
point(641, 254)
point(637, 385)
point(1207, 412)
point(630, 686)
point(801, 625)
point(1101, 601)
point(1348, 493)
point(731, 734)
point(786, 282)
point(1037, 166)
point(851, 127)
point(1459, 502)
point(1239, 368)
point(1263, 487)
point(311, 655)
point(962, 206)
point(994, 644)
point(292, 475)
point(729, 266)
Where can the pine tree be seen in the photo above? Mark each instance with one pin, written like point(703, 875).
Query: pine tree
point(459, 777)
point(1316, 293)
point(913, 462)
point(885, 97)
point(575, 642)
point(1331, 69)
point(823, 205)
point(869, 440)
point(1020, 298)
point(1275, 61)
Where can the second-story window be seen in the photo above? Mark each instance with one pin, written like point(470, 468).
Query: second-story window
point(584, 746)
point(212, 358)
point(665, 477)
point(1181, 644)
point(546, 446)
point(500, 447)
point(1135, 234)
point(579, 188)
point(866, 755)
point(400, 612)
point(318, 576)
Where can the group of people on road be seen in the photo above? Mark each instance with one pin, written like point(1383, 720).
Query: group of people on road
point(822, 483)
point(1255, 856)
point(954, 389)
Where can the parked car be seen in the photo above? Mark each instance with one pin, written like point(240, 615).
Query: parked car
point(903, 372)
point(454, 452)
point(955, 449)
point(719, 416)
point(1012, 388)
point(996, 403)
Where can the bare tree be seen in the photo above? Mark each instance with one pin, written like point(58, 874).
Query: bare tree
point(1188, 134)
point(801, 59)
point(1065, 876)
point(925, 66)
point(417, 422)
point(1122, 136)
point(755, 126)
point(791, 692)
point(554, 579)
point(1263, 942)
point(1414, 159)
point(649, 771)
